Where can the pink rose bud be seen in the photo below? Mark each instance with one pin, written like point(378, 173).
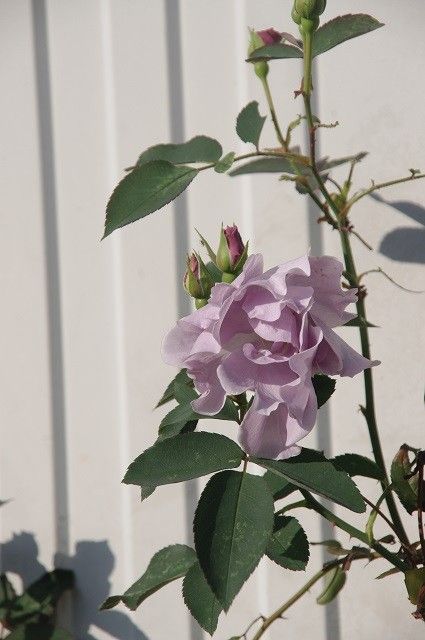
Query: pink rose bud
point(197, 280)
point(231, 254)
point(269, 36)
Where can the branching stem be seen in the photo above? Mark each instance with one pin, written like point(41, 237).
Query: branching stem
point(383, 185)
point(353, 279)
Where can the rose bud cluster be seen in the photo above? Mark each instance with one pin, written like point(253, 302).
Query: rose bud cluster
point(267, 333)
point(260, 39)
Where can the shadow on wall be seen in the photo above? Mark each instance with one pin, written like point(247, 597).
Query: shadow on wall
point(92, 563)
point(405, 244)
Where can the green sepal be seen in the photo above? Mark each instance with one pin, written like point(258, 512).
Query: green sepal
point(334, 582)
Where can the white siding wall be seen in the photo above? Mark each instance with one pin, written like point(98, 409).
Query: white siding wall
point(88, 84)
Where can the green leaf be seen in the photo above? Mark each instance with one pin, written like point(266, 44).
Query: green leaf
point(326, 163)
point(200, 600)
point(39, 631)
point(110, 602)
point(323, 388)
point(356, 465)
point(225, 163)
point(414, 580)
point(174, 423)
point(198, 149)
point(249, 123)
point(341, 29)
point(42, 596)
point(177, 419)
point(312, 471)
point(278, 486)
point(262, 165)
point(288, 545)
point(168, 395)
point(166, 565)
point(334, 582)
point(184, 457)
point(144, 190)
point(232, 526)
point(268, 165)
point(278, 51)
point(360, 322)
point(7, 596)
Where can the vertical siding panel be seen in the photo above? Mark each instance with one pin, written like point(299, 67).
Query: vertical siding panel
point(377, 108)
point(93, 402)
point(151, 291)
point(26, 469)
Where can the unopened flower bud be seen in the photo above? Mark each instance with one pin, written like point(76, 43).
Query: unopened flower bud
point(232, 252)
point(269, 36)
point(309, 9)
point(197, 280)
point(260, 39)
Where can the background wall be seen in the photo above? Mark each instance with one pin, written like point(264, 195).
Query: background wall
point(87, 85)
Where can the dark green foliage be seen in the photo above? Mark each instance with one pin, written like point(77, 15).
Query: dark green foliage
point(249, 123)
point(341, 29)
point(31, 615)
point(312, 471)
point(198, 149)
point(200, 600)
point(288, 545)
point(232, 526)
point(186, 456)
point(167, 565)
point(324, 388)
point(146, 189)
point(356, 465)
point(278, 485)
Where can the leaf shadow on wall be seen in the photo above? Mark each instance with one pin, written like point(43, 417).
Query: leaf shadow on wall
point(92, 563)
point(405, 244)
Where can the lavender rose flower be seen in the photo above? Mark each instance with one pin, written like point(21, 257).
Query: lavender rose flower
point(268, 333)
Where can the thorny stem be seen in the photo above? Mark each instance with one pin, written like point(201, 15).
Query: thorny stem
point(353, 279)
point(299, 594)
point(269, 98)
point(369, 410)
point(278, 614)
point(383, 185)
point(353, 531)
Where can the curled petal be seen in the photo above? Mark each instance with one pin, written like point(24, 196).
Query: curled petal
point(336, 357)
point(269, 436)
